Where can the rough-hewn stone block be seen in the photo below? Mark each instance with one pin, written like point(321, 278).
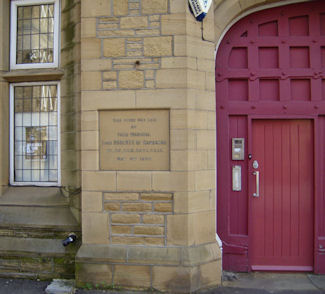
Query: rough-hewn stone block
point(173, 181)
point(89, 160)
point(201, 254)
point(153, 219)
point(163, 207)
point(120, 7)
point(96, 181)
point(94, 100)
point(121, 196)
point(158, 46)
point(109, 75)
point(171, 78)
point(93, 273)
point(176, 235)
point(154, 6)
point(134, 22)
point(90, 8)
point(137, 207)
point(166, 256)
point(156, 196)
point(90, 48)
point(114, 47)
point(211, 273)
point(132, 276)
point(92, 201)
point(131, 79)
point(108, 85)
point(148, 230)
point(112, 206)
point(175, 279)
point(88, 28)
point(96, 64)
point(95, 228)
point(125, 218)
point(138, 240)
point(89, 140)
point(121, 230)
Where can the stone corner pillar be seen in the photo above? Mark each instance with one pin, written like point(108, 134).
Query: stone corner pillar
point(148, 221)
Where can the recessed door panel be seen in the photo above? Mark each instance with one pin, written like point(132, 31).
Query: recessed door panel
point(281, 235)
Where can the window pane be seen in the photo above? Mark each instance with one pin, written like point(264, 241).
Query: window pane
point(50, 55)
point(26, 42)
point(44, 11)
point(36, 11)
point(53, 176)
point(19, 105)
point(35, 26)
point(44, 26)
point(51, 25)
point(27, 105)
point(19, 175)
point(27, 175)
point(27, 27)
point(35, 34)
point(35, 42)
point(27, 12)
point(19, 92)
point(36, 133)
point(20, 13)
point(20, 26)
point(51, 11)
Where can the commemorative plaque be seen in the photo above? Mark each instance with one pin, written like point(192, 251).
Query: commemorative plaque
point(134, 139)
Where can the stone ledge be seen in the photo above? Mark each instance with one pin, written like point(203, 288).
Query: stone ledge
point(101, 254)
point(165, 269)
point(171, 256)
point(33, 75)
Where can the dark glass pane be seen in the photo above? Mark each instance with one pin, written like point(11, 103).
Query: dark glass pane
point(28, 92)
point(27, 105)
point(27, 12)
point(20, 12)
point(19, 105)
point(19, 92)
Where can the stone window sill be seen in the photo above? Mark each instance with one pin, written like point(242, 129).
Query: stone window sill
point(33, 75)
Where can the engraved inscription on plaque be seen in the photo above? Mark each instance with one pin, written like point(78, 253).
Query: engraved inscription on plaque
point(134, 139)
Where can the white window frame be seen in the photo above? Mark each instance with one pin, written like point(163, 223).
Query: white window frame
point(13, 34)
point(12, 136)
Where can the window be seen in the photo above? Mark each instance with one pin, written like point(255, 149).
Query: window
point(34, 34)
point(34, 133)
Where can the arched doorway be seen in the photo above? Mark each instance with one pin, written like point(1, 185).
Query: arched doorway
point(270, 99)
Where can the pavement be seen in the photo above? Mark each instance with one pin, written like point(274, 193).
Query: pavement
point(243, 283)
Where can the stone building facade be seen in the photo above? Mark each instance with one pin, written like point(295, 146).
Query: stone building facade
point(143, 226)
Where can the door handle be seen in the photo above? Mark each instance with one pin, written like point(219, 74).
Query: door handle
point(257, 177)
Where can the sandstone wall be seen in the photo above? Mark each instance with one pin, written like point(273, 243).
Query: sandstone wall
point(158, 226)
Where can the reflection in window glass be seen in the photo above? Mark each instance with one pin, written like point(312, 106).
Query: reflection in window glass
point(35, 34)
point(36, 133)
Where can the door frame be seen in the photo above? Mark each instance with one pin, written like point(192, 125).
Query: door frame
point(316, 180)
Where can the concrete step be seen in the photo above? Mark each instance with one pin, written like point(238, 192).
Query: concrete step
point(36, 258)
point(37, 222)
point(39, 217)
point(40, 233)
point(33, 223)
point(33, 196)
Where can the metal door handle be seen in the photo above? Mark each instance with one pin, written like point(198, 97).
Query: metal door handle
point(257, 175)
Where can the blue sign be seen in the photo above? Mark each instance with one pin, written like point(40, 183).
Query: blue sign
point(200, 8)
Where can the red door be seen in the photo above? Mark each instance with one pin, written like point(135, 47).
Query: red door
point(281, 195)
point(270, 95)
